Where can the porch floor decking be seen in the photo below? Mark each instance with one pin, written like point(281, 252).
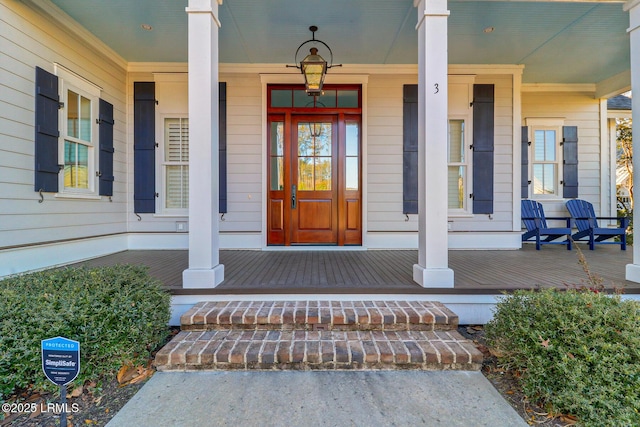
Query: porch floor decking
point(384, 271)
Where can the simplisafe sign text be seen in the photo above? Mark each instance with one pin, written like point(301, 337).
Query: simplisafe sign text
point(60, 359)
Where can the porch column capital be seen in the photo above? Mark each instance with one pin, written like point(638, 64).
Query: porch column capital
point(431, 8)
point(205, 7)
point(432, 269)
point(205, 270)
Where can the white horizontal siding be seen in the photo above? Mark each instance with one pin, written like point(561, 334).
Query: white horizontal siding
point(384, 154)
point(30, 39)
point(384, 158)
point(576, 109)
point(244, 153)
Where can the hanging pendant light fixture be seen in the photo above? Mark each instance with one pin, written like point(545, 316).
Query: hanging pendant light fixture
point(314, 67)
point(315, 130)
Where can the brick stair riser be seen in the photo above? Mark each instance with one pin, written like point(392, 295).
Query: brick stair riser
point(305, 366)
point(324, 350)
point(309, 315)
point(320, 327)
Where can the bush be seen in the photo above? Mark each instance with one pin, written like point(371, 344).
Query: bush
point(118, 314)
point(577, 351)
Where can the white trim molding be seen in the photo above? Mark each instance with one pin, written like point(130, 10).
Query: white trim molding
point(49, 255)
point(558, 87)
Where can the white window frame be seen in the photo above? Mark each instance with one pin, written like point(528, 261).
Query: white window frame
point(544, 124)
point(162, 162)
point(460, 108)
point(68, 80)
point(467, 163)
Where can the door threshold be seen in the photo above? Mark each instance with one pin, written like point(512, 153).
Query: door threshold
point(299, 248)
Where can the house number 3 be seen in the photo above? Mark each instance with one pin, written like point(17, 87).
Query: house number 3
point(437, 88)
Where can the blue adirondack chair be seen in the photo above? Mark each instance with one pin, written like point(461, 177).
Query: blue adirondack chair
point(536, 223)
point(585, 218)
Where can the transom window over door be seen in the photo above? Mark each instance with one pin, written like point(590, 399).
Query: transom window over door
point(314, 166)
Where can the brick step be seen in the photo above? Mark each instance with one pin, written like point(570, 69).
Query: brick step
point(319, 315)
point(322, 350)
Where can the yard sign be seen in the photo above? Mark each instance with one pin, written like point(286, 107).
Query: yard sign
point(61, 364)
point(60, 360)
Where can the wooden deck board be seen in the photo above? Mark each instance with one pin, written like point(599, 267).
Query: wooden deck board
point(385, 271)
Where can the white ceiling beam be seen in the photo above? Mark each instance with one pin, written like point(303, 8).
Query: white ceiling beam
point(614, 85)
point(558, 87)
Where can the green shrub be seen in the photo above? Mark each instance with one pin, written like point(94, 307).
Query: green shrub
point(578, 352)
point(118, 314)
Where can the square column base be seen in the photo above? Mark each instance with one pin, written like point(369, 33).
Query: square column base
point(633, 273)
point(203, 278)
point(433, 277)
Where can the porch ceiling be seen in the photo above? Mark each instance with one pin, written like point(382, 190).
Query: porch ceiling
point(557, 42)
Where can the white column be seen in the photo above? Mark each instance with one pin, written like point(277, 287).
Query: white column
point(633, 7)
point(432, 270)
point(205, 270)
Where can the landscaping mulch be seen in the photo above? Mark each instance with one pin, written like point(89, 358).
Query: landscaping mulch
point(94, 407)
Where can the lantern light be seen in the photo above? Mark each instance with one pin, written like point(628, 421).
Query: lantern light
point(314, 67)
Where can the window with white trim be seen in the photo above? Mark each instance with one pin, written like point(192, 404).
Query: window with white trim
point(78, 134)
point(545, 157)
point(458, 156)
point(175, 164)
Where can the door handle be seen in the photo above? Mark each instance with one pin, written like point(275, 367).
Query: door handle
point(293, 197)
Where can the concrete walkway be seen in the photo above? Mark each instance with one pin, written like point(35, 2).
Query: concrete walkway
point(318, 398)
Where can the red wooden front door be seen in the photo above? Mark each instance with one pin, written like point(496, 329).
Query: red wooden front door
point(314, 180)
point(314, 201)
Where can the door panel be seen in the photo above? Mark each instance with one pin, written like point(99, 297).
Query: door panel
point(314, 154)
point(315, 214)
point(277, 215)
point(353, 215)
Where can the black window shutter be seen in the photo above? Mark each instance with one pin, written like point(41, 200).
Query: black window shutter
point(46, 131)
point(144, 147)
point(524, 142)
point(105, 122)
point(222, 149)
point(570, 162)
point(483, 123)
point(410, 150)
